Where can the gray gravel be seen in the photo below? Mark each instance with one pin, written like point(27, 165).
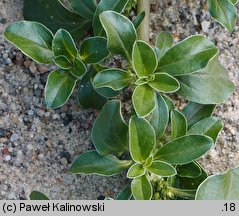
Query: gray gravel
point(37, 144)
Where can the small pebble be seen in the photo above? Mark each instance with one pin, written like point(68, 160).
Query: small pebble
point(14, 137)
point(30, 113)
point(7, 158)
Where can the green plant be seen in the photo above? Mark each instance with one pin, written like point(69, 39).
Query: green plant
point(160, 145)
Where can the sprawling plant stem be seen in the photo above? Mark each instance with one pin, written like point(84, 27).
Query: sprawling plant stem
point(143, 31)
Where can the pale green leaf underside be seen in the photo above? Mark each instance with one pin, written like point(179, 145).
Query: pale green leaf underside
point(211, 85)
point(220, 187)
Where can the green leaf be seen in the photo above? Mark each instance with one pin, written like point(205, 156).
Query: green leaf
point(164, 83)
point(164, 42)
point(120, 32)
point(160, 116)
point(33, 39)
point(62, 62)
point(94, 50)
point(220, 187)
point(125, 194)
point(141, 139)
point(85, 8)
point(169, 102)
point(208, 86)
point(115, 79)
point(143, 100)
point(36, 195)
point(104, 91)
point(87, 91)
point(195, 112)
point(184, 149)
point(144, 59)
point(135, 171)
point(59, 87)
point(105, 5)
point(210, 126)
point(141, 188)
point(139, 19)
point(63, 44)
point(79, 68)
point(188, 56)
point(190, 170)
point(178, 124)
point(110, 132)
point(162, 169)
point(224, 12)
point(92, 162)
point(56, 16)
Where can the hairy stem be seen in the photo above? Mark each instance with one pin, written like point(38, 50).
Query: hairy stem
point(143, 31)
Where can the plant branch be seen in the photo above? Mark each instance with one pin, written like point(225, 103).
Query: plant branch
point(143, 31)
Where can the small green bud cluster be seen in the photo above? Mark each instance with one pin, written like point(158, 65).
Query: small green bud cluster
point(162, 191)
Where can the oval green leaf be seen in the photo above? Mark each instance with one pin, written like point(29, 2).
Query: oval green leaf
point(210, 126)
point(160, 116)
point(120, 32)
point(59, 87)
point(36, 195)
point(188, 56)
point(141, 139)
point(143, 100)
point(144, 59)
point(92, 162)
point(178, 124)
point(63, 44)
point(33, 39)
point(115, 79)
point(220, 187)
point(208, 86)
point(195, 112)
point(164, 83)
point(141, 188)
point(184, 149)
point(79, 68)
point(135, 171)
point(224, 12)
point(94, 50)
point(110, 132)
point(105, 5)
point(162, 169)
